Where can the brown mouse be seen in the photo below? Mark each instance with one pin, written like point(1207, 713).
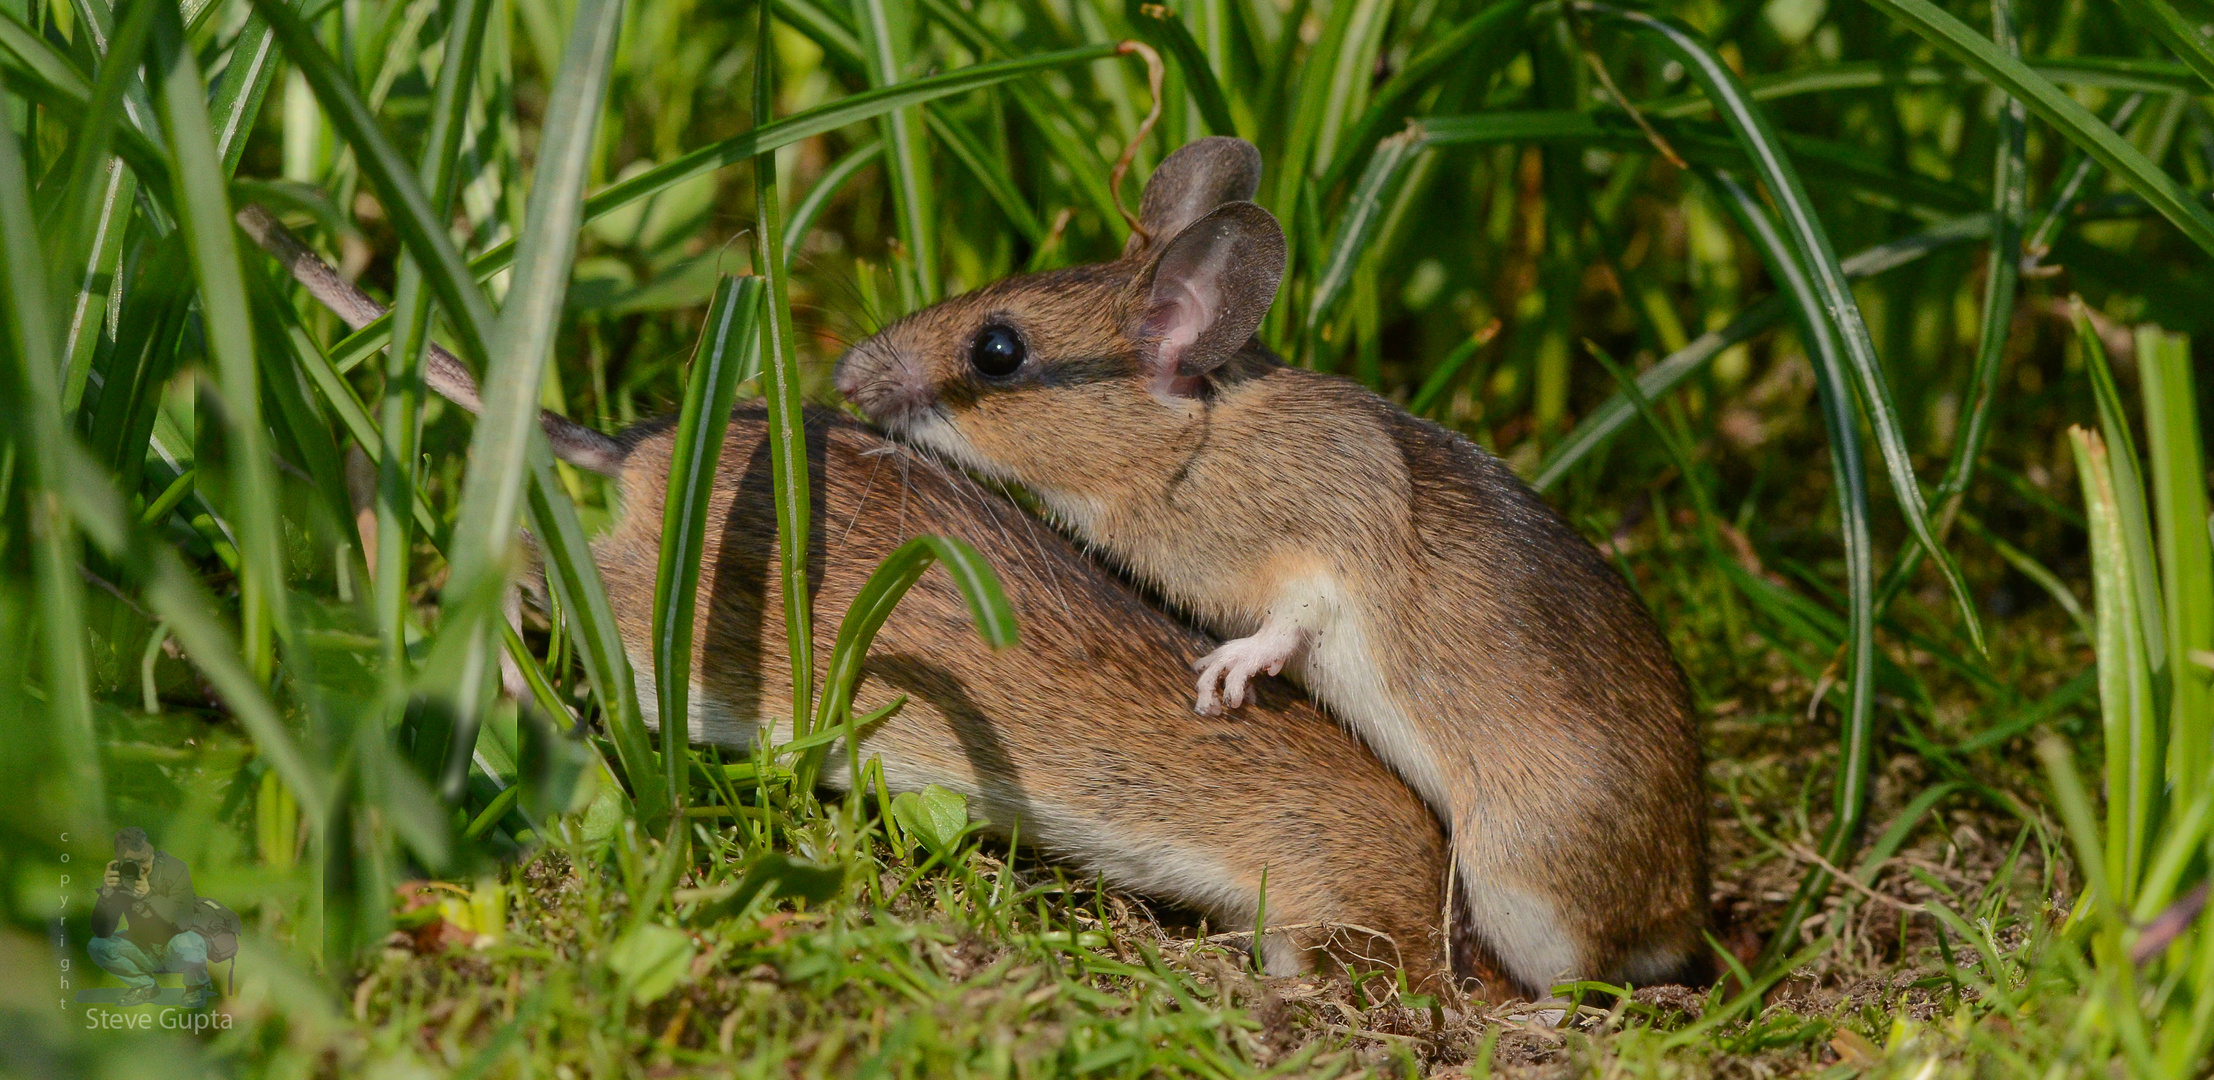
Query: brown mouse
point(1406, 577)
point(1078, 737)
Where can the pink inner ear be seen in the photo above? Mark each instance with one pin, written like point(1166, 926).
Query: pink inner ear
point(1182, 311)
point(1187, 304)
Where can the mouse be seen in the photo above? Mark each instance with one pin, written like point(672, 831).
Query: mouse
point(1404, 576)
point(1079, 737)
point(1077, 741)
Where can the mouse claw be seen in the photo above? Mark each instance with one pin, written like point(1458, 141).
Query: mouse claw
point(1233, 667)
point(1211, 697)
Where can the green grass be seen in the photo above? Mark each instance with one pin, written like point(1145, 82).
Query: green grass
point(1791, 305)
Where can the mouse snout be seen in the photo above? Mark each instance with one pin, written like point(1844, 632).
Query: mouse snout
point(884, 384)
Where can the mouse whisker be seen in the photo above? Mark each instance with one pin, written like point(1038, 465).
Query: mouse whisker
point(861, 504)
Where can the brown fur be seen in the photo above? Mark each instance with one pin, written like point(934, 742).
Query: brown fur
point(1496, 661)
point(1079, 736)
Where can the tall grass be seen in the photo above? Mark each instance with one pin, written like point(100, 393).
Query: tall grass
point(2154, 585)
point(1472, 192)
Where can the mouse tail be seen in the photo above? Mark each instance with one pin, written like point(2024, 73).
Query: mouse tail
point(442, 371)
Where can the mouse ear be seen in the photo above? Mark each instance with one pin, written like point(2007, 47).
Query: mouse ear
point(1199, 176)
point(1207, 294)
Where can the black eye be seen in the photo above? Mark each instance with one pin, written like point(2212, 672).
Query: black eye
point(997, 351)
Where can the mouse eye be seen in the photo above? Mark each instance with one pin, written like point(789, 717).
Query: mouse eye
point(997, 351)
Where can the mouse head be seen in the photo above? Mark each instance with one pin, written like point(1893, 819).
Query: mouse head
point(1036, 377)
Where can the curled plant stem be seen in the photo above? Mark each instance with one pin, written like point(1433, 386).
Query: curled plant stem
point(1154, 73)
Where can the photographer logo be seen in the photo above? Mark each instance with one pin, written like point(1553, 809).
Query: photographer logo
point(147, 922)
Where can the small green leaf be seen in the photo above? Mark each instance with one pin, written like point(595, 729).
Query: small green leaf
point(652, 961)
point(936, 816)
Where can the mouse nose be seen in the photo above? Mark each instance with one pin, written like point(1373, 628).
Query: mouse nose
point(879, 382)
point(864, 367)
point(846, 376)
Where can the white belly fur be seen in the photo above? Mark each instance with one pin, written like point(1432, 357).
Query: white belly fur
point(710, 720)
point(1521, 927)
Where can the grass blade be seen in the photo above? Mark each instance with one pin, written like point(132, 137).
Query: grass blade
point(1364, 211)
point(1350, 71)
point(1705, 143)
point(141, 358)
point(1054, 119)
point(508, 449)
point(2120, 450)
point(2105, 72)
point(2077, 173)
point(2055, 107)
point(1600, 425)
point(1810, 243)
point(240, 90)
point(2172, 442)
point(729, 352)
point(302, 434)
point(403, 384)
point(84, 223)
point(53, 81)
point(583, 601)
point(2069, 797)
point(886, 34)
point(825, 27)
point(823, 118)
point(1833, 386)
point(987, 175)
point(179, 599)
point(988, 607)
point(1448, 370)
point(780, 394)
point(28, 324)
point(874, 603)
point(2009, 183)
point(2009, 186)
point(409, 209)
point(2179, 34)
point(1493, 30)
point(204, 217)
point(2030, 568)
point(1326, 92)
point(742, 147)
point(529, 319)
point(353, 419)
point(101, 258)
point(2133, 759)
point(826, 188)
point(1166, 31)
point(30, 54)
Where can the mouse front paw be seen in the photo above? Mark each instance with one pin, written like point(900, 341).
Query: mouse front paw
point(1225, 673)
